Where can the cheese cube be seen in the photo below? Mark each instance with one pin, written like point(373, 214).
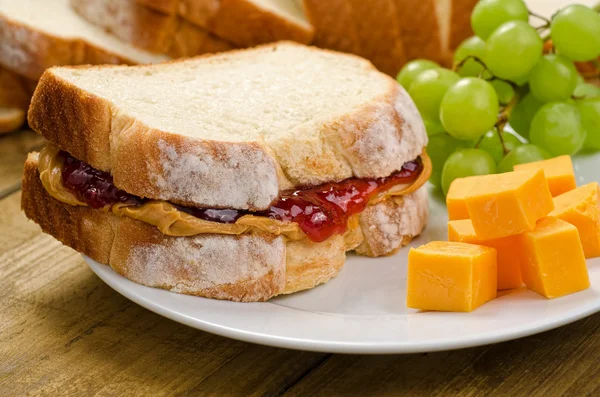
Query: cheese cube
point(507, 248)
point(450, 276)
point(580, 208)
point(553, 263)
point(559, 173)
point(456, 197)
point(507, 204)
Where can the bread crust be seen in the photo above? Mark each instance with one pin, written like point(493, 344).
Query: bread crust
point(373, 140)
point(240, 268)
point(369, 29)
point(29, 52)
point(379, 34)
point(460, 21)
point(15, 91)
point(421, 31)
point(168, 7)
point(149, 29)
point(240, 22)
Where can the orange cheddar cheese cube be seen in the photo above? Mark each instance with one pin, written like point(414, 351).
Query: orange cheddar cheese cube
point(580, 208)
point(559, 173)
point(456, 197)
point(508, 204)
point(553, 263)
point(451, 276)
point(507, 248)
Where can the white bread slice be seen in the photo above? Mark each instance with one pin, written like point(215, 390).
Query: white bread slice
point(11, 119)
point(241, 268)
point(149, 29)
point(234, 129)
point(38, 34)
point(244, 23)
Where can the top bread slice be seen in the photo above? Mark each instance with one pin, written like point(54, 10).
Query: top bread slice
point(38, 34)
point(149, 29)
point(234, 129)
point(244, 23)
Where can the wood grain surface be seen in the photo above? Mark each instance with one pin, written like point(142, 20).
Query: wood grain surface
point(64, 332)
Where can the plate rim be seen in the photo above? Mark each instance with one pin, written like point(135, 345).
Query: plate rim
point(106, 274)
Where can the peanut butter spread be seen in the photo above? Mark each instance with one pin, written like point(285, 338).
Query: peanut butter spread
point(172, 221)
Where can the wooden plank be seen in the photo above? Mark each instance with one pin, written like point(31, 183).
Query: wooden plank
point(63, 331)
point(13, 150)
point(559, 362)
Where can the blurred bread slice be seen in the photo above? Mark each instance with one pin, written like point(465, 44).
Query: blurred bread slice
point(11, 119)
point(149, 29)
point(38, 34)
point(15, 95)
point(460, 21)
point(244, 23)
point(391, 32)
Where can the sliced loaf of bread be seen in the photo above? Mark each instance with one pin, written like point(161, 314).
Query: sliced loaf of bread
point(38, 34)
point(232, 129)
point(242, 22)
point(149, 29)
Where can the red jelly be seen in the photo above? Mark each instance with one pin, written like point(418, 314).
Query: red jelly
point(320, 211)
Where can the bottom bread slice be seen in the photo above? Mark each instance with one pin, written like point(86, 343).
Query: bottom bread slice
point(245, 268)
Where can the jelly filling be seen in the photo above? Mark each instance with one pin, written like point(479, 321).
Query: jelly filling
point(320, 211)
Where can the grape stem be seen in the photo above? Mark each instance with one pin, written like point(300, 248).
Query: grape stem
point(460, 64)
point(543, 18)
point(503, 120)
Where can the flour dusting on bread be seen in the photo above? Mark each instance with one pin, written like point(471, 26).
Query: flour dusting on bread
point(192, 264)
point(391, 224)
point(195, 174)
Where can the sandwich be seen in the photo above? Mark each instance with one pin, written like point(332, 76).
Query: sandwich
point(240, 176)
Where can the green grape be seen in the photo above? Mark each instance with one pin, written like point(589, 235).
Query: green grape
point(553, 78)
point(488, 15)
point(466, 162)
point(590, 117)
point(428, 89)
point(412, 69)
point(433, 127)
point(575, 32)
point(587, 90)
point(513, 50)
point(521, 155)
point(504, 91)
point(557, 128)
point(475, 47)
point(522, 114)
point(469, 109)
point(440, 147)
point(490, 142)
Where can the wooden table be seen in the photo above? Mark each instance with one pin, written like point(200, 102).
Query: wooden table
point(64, 332)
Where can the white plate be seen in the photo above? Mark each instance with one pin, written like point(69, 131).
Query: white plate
point(363, 309)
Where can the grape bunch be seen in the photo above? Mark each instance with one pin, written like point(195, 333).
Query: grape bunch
point(511, 73)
